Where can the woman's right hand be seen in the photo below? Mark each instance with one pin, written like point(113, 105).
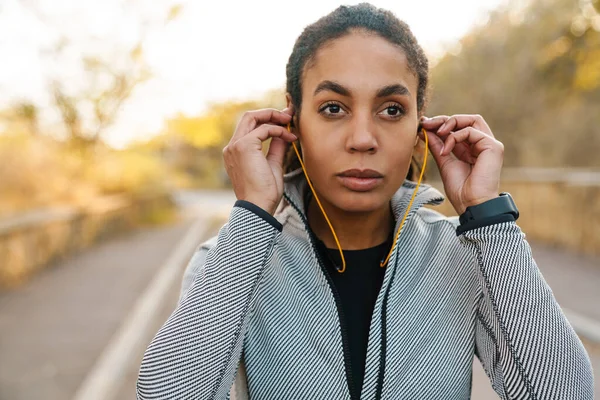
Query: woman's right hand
point(256, 178)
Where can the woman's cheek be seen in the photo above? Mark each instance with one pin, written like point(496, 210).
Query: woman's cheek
point(317, 161)
point(400, 152)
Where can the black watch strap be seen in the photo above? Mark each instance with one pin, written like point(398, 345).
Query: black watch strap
point(499, 209)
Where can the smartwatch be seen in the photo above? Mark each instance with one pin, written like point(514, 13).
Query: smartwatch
point(499, 209)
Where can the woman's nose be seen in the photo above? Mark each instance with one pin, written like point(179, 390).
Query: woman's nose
point(362, 135)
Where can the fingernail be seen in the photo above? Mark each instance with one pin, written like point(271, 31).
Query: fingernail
point(442, 151)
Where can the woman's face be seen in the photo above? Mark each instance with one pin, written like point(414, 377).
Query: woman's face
point(358, 121)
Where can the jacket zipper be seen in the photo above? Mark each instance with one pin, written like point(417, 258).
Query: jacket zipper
point(380, 376)
point(343, 328)
point(342, 319)
point(336, 296)
point(382, 354)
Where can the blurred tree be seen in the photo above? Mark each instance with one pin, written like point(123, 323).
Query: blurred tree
point(106, 81)
point(29, 113)
point(22, 117)
point(535, 77)
point(195, 143)
point(107, 89)
point(87, 88)
point(200, 132)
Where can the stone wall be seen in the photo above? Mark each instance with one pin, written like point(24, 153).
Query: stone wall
point(560, 207)
point(31, 241)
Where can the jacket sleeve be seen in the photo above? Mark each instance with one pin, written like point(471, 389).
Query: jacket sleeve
point(239, 389)
point(195, 354)
point(522, 338)
point(195, 265)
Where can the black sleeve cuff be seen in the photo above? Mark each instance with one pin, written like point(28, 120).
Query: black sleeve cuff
point(260, 212)
point(479, 223)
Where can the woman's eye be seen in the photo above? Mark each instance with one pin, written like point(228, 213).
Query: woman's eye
point(393, 111)
point(331, 109)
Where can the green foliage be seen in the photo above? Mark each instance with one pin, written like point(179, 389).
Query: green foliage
point(127, 172)
point(39, 172)
point(192, 145)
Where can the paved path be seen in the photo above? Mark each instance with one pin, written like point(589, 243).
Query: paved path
point(54, 328)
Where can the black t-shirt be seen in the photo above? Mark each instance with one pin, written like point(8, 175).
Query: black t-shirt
point(358, 287)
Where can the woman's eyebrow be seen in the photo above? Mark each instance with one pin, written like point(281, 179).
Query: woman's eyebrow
point(389, 90)
point(334, 87)
point(393, 89)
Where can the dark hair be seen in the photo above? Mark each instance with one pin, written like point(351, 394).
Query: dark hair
point(339, 23)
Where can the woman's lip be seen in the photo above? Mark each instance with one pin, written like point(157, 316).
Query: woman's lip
point(360, 184)
point(357, 173)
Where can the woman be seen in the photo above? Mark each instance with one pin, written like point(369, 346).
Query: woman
point(272, 308)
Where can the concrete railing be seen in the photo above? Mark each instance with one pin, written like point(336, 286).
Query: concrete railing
point(560, 207)
point(30, 241)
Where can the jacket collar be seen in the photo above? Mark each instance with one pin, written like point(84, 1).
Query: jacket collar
point(296, 189)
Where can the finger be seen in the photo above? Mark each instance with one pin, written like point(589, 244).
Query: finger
point(476, 138)
point(435, 146)
point(277, 150)
point(289, 111)
point(460, 121)
point(462, 151)
point(251, 119)
point(433, 123)
point(489, 152)
point(266, 131)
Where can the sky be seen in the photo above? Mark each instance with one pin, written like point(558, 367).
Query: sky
point(213, 51)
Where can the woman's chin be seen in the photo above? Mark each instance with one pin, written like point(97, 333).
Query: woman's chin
point(362, 202)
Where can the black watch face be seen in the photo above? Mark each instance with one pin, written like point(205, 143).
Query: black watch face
point(503, 204)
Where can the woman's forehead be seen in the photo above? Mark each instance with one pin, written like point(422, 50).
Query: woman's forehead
point(363, 61)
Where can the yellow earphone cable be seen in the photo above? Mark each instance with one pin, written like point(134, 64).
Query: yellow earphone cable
point(320, 206)
point(383, 264)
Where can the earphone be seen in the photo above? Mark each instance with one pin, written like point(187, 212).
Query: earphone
point(384, 262)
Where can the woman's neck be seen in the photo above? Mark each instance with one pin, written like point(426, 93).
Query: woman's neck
point(355, 231)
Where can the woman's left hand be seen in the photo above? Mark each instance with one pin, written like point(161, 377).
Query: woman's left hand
point(468, 156)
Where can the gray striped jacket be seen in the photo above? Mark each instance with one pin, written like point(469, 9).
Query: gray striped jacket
point(258, 319)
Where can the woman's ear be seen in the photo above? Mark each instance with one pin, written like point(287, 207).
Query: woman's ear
point(418, 135)
point(292, 109)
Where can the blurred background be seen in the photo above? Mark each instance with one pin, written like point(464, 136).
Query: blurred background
point(114, 114)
